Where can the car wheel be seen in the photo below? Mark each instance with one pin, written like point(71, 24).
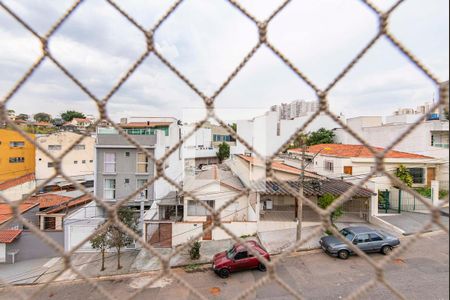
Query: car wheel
point(343, 254)
point(224, 273)
point(386, 250)
point(262, 267)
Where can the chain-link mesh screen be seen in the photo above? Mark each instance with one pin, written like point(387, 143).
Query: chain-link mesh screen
point(209, 102)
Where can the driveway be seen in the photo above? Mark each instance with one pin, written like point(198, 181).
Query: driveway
point(412, 223)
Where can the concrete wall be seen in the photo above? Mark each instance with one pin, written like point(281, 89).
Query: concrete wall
point(84, 158)
point(31, 246)
point(28, 151)
point(17, 192)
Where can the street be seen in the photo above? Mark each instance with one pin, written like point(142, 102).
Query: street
point(422, 272)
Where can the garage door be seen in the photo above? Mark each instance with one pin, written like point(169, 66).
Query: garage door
point(77, 234)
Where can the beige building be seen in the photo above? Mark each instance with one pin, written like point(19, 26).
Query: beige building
point(77, 163)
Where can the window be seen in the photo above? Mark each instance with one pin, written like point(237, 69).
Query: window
point(79, 147)
point(198, 210)
point(91, 161)
point(440, 139)
point(16, 160)
point(17, 144)
point(54, 147)
point(375, 237)
point(348, 170)
point(142, 163)
point(241, 255)
point(75, 162)
point(83, 161)
point(51, 164)
point(49, 223)
point(329, 166)
point(110, 163)
point(127, 180)
point(127, 154)
point(418, 175)
point(362, 238)
point(140, 184)
point(109, 192)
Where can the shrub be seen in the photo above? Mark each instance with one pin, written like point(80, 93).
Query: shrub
point(194, 252)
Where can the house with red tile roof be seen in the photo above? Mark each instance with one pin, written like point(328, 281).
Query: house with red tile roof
point(7, 237)
point(15, 189)
point(350, 162)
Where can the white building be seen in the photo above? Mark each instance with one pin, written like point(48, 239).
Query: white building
point(267, 133)
point(78, 163)
point(430, 138)
point(295, 109)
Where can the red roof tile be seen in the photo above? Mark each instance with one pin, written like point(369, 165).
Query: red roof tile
point(361, 151)
point(6, 212)
point(16, 181)
point(71, 203)
point(275, 165)
point(49, 200)
point(7, 236)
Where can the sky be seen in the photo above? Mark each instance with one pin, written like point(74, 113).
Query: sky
point(206, 40)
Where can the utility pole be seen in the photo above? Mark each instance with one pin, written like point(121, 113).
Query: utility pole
point(301, 192)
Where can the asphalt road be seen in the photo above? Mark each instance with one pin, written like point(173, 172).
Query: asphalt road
point(420, 273)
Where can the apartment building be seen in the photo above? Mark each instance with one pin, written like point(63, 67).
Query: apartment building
point(295, 109)
point(18, 155)
point(121, 169)
point(78, 163)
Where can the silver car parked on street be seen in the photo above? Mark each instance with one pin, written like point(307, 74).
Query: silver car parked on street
point(365, 238)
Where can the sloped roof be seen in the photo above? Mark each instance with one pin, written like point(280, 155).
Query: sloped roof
point(49, 200)
point(8, 236)
point(6, 213)
point(69, 204)
point(276, 165)
point(311, 188)
point(360, 151)
point(16, 181)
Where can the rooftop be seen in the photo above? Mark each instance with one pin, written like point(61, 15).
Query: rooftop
point(277, 165)
point(16, 181)
point(360, 151)
point(8, 236)
point(145, 124)
point(6, 212)
point(311, 188)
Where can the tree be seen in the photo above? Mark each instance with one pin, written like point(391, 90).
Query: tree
point(325, 201)
point(69, 115)
point(116, 237)
point(58, 122)
point(100, 242)
point(233, 126)
point(42, 117)
point(322, 136)
point(23, 117)
point(403, 174)
point(224, 152)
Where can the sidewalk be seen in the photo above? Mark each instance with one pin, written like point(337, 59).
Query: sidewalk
point(411, 222)
point(25, 272)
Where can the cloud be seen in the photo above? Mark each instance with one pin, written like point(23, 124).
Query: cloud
point(206, 40)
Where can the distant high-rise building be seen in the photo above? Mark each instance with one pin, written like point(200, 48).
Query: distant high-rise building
point(295, 109)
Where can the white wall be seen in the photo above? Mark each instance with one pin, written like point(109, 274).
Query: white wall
point(65, 139)
point(16, 193)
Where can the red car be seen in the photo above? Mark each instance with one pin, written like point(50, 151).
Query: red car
point(237, 258)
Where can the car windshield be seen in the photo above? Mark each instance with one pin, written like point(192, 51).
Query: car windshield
point(231, 252)
point(347, 234)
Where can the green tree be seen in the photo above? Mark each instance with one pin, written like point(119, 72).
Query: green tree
point(116, 237)
point(100, 242)
point(42, 117)
point(233, 126)
point(321, 136)
point(325, 201)
point(23, 117)
point(224, 152)
point(69, 115)
point(403, 174)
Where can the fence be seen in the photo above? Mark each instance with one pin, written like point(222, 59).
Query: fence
point(209, 101)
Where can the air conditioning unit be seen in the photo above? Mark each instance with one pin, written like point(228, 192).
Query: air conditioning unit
point(269, 205)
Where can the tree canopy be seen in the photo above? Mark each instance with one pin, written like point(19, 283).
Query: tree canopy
point(403, 174)
point(69, 115)
point(42, 117)
point(321, 136)
point(224, 152)
point(23, 117)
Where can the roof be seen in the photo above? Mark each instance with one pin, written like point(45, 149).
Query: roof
point(81, 120)
point(16, 181)
point(43, 124)
point(7, 236)
point(276, 165)
point(69, 204)
point(311, 188)
point(360, 151)
point(49, 200)
point(6, 213)
point(145, 124)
